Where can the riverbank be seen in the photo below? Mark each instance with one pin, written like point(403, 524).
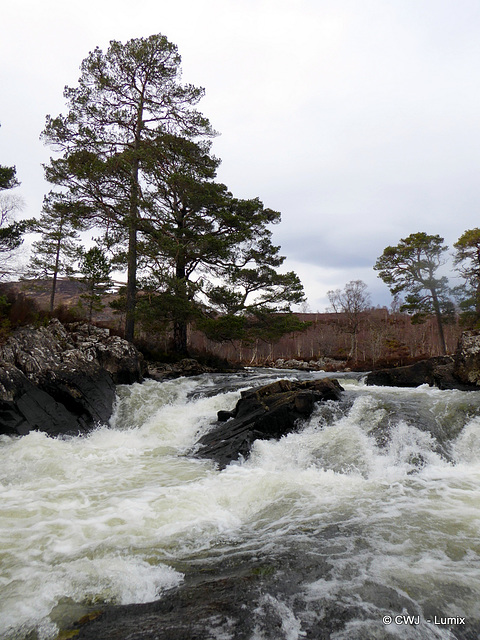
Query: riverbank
point(62, 379)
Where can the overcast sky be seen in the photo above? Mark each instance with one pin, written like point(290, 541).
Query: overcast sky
point(358, 120)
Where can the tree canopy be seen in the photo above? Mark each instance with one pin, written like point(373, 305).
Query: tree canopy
point(412, 266)
point(467, 262)
point(11, 232)
point(204, 251)
point(95, 269)
point(56, 252)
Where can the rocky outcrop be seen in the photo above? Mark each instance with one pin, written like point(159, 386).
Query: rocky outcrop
point(466, 367)
point(461, 371)
point(262, 414)
point(323, 364)
point(62, 381)
point(187, 367)
point(436, 372)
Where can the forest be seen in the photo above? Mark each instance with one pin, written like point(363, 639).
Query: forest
point(134, 191)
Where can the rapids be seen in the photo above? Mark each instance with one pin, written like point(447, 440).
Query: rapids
point(371, 509)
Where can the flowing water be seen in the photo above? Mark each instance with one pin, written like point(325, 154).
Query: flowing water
point(371, 509)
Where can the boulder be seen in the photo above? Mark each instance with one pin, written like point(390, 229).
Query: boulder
point(187, 367)
point(461, 371)
point(117, 356)
point(467, 358)
point(263, 413)
point(62, 382)
point(436, 372)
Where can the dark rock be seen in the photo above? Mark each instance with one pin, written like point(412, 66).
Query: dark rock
point(62, 382)
point(25, 407)
point(264, 413)
point(87, 393)
point(242, 602)
point(187, 367)
point(436, 372)
point(223, 416)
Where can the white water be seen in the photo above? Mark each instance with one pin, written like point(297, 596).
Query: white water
point(122, 514)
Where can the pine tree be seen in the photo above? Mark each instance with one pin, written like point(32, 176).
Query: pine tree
point(11, 232)
point(467, 262)
point(207, 249)
point(124, 100)
point(94, 269)
point(412, 267)
point(56, 252)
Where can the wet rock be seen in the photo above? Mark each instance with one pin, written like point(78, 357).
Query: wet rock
point(25, 407)
point(264, 413)
point(254, 600)
point(467, 358)
point(323, 364)
point(186, 367)
point(461, 371)
point(434, 372)
point(62, 381)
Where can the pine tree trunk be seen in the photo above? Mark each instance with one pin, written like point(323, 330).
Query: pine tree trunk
point(132, 231)
point(180, 338)
point(180, 323)
point(55, 274)
point(131, 284)
point(438, 316)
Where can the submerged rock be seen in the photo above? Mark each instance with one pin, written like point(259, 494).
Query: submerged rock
point(262, 414)
point(62, 381)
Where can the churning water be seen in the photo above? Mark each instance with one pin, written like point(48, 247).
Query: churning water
point(363, 524)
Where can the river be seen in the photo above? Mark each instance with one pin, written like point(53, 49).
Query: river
point(365, 523)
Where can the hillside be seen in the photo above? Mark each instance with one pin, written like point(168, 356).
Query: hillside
point(383, 338)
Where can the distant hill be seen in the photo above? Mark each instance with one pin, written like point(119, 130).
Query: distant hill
point(67, 294)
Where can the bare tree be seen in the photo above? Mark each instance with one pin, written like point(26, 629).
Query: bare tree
point(10, 231)
point(351, 302)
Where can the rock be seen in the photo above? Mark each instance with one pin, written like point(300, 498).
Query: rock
point(24, 406)
point(324, 364)
point(62, 382)
point(186, 367)
point(434, 372)
point(117, 356)
point(264, 413)
point(461, 371)
point(467, 358)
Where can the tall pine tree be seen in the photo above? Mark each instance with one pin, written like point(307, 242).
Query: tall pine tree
point(56, 252)
point(124, 100)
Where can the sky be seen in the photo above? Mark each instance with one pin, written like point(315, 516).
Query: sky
point(358, 120)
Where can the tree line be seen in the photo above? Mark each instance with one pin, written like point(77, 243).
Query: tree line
point(412, 268)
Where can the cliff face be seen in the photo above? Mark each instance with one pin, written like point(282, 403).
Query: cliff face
point(62, 381)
